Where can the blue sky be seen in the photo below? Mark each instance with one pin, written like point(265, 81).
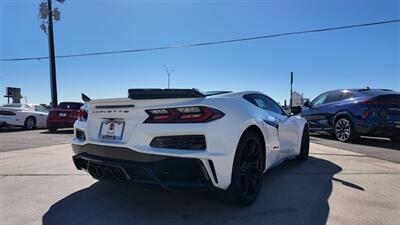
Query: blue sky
point(322, 61)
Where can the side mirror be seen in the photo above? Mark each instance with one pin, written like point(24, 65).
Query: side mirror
point(296, 110)
point(307, 104)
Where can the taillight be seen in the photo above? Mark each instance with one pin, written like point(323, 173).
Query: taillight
point(191, 114)
point(7, 113)
point(83, 115)
point(383, 100)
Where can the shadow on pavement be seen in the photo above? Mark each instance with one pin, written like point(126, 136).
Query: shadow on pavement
point(63, 131)
point(11, 129)
point(363, 141)
point(293, 193)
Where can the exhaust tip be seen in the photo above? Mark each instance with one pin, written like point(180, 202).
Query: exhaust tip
point(108, 173)
point(119, 176)
point(100, 172)
point(92, 169)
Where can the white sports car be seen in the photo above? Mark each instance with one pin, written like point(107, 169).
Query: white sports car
point(23, 115)
point(185, 139)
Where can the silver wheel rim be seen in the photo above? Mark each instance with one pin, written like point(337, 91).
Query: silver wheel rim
point(343, 129)
point(30, 123)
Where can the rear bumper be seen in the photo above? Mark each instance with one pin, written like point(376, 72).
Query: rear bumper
point(217, 157)
point(379, 128)
point(164, 172)
point(62, 124)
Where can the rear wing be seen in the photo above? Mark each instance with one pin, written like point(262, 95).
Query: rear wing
point(85, 98)
point(141, 94)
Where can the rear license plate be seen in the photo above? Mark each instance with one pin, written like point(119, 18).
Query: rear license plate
point(112, 130)
point(62, 114)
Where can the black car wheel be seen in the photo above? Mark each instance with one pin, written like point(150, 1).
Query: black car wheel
point(344, 130)
point(247, 170)
point(30, 123)
point(305, 145)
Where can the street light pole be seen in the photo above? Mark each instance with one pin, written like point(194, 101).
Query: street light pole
point(291, 90)
point(168, 73)
point(52, 59)
point(2, 78)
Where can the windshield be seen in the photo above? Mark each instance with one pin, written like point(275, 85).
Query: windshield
point(70, 105)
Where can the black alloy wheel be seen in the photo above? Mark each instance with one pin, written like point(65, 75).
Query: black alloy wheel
point(305, 144)
point(344, 130)
point(30, 123)
point(248, 169)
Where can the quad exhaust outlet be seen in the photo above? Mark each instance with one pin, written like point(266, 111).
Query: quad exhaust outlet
point(107, 173)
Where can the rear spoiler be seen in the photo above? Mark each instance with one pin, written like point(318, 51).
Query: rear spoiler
point(163, 93)
point(85, 98)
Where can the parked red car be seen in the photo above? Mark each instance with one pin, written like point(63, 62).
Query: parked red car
point(63, 116)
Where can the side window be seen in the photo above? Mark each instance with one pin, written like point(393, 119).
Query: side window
point(41, 109)
point(319, 100)
point(334, 96)
point(265, 102)
point(338, 96)
point(347, 95)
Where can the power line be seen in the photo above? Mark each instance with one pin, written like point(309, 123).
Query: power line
point(206, 43)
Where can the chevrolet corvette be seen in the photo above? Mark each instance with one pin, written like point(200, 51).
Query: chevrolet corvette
point(184, 139)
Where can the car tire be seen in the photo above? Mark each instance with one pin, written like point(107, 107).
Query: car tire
point(344, 130)
point(305, 145)
point(247, 172)
point(30, 123)
point(52, 129)
point(395, 139)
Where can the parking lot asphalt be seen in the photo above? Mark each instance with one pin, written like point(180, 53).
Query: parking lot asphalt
point(334, 186)
point(15, 138)
point(381, 148)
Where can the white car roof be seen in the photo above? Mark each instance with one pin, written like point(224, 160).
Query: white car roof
point(20, 106)
point(13, 105)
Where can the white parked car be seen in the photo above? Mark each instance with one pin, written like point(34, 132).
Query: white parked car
point(24, 115)
point(185, 139)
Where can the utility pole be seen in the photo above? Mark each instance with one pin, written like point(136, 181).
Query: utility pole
point(169, 72)
point(2, 78)
point(47, 12)
point(291, 90)
point(53, 78)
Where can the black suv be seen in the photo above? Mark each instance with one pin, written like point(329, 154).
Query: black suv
point(349, 113)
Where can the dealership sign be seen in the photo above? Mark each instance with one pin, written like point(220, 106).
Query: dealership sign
point(14, 93)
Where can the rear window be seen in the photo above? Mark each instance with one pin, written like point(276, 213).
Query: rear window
point(376, 92)
point(70, 105)
point(338, 96)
